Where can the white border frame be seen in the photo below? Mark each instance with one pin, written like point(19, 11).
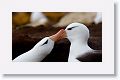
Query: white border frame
point(104, 67)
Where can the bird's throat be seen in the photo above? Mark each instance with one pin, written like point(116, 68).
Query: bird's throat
point(78, 48)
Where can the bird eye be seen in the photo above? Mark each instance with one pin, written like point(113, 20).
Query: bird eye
point(45, 42)
point(71, 28)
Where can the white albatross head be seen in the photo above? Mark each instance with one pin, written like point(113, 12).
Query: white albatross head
point(77, 31)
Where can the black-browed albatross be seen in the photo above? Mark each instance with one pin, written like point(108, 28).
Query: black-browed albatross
point(78, 35)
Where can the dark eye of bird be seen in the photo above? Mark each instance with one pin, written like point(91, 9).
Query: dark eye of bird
point(71, 28)
point(45, 42)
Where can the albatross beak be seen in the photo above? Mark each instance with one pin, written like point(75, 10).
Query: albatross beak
point(64, 35)
point(59, 35)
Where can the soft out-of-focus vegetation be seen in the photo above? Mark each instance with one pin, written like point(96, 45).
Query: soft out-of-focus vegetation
point(20, 18)
point(56, 19)
point(54, 16)
point(86, 18)
point(23, 18)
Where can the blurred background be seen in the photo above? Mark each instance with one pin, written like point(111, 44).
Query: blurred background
point(30, 27)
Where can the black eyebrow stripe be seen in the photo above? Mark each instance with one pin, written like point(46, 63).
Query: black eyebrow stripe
point(45, 42)
point(71, 28)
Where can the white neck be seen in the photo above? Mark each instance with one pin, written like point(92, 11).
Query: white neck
point(78, 48)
